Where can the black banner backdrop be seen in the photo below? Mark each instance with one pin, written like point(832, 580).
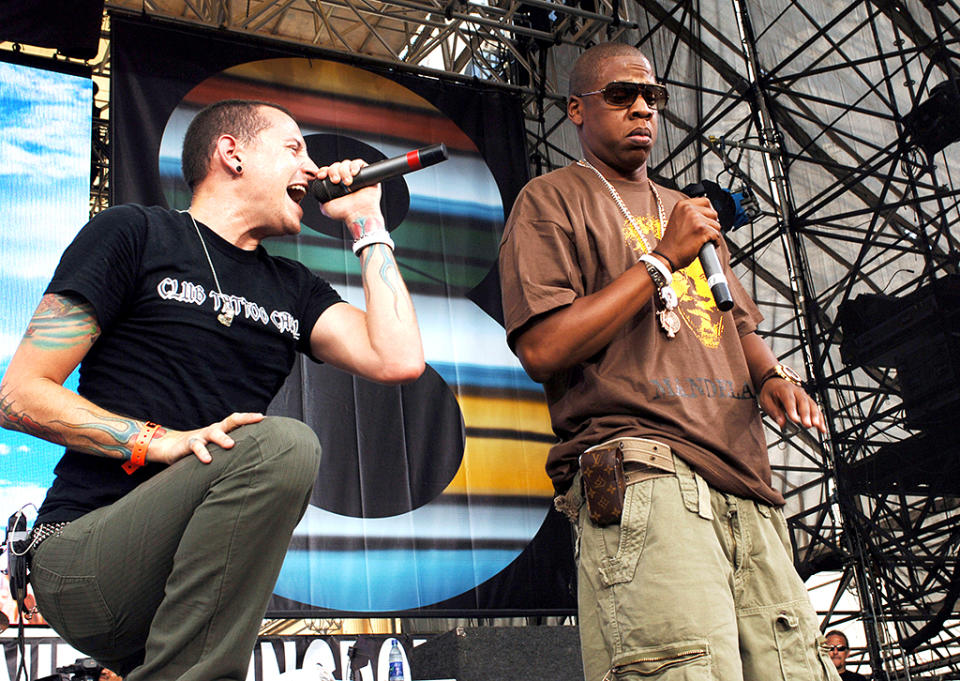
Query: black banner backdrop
point(431, 498)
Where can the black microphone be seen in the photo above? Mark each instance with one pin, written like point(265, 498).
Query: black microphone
point(716, 279)
point(325, 190)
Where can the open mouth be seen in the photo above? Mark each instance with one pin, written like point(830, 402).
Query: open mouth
point(297, 192)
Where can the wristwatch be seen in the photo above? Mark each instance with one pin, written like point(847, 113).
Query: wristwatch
point(781, 371)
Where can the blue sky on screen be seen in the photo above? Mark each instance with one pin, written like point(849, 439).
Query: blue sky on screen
point(45, 130)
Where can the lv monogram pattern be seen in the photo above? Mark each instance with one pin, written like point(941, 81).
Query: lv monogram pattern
point(604, 484)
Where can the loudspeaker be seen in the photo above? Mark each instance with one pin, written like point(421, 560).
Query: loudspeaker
point(70, 26)
point(925, 464)
point(919, 334)
point(933, 125)
point(535, 653)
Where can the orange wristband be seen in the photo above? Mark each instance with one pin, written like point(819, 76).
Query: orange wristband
point(138, 457)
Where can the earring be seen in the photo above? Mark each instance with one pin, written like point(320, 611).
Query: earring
point(239, 169)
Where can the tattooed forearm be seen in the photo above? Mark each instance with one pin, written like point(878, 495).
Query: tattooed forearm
point(388, 271)
point(116, 435)
point(101, 435)
point(32, 397)
point(121, 453)
point(61, 323)
point(13, 419)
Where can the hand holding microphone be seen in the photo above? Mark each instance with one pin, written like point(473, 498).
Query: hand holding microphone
point(324, 190)
point(716, 279)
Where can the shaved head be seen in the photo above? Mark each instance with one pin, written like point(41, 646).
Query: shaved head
point(584, 75)
point(242, 118)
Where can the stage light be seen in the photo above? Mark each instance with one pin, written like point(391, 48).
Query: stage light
point(734, 209)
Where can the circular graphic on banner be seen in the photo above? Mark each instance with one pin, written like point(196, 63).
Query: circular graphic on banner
point(427, 490)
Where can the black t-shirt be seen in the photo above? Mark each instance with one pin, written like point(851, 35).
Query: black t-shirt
point(848, 675)
point(162, 354)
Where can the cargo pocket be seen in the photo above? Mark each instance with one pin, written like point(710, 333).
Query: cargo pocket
point(686, 661)
point(623, 543)
point(797, 651)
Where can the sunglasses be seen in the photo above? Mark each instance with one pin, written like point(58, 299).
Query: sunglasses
point(623, 94)
point(840, 648)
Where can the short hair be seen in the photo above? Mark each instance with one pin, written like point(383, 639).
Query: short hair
point(835, 632)
point(241, 118)
point(586, 68)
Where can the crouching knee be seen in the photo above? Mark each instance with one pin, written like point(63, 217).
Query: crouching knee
point(289, 445)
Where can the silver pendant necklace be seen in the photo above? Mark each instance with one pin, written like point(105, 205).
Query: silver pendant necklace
point(668, 317)
point(584, 163)
point(225, 317)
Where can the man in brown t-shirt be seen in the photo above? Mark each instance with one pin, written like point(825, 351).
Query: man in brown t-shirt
point(607, 305)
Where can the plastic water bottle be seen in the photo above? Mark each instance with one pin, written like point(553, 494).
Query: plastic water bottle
point(395, 660)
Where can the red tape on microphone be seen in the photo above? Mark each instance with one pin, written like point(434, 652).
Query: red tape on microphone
point(413, 159)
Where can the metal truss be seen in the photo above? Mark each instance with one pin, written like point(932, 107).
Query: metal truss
point(801, 104)
point(485, 40)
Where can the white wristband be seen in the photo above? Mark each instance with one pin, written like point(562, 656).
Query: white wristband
point(663, 269)
point(381, 236)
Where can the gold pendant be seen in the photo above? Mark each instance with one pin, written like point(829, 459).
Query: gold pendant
point(225, 318)
point(669, 322)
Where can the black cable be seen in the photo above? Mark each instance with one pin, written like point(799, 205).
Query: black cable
point(17, 545)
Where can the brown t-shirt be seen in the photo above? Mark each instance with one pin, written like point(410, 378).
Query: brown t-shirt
point(566, 238)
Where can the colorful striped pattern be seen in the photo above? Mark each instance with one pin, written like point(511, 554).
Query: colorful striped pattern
point(499, 497)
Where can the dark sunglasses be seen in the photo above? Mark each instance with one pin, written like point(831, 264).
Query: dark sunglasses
point(840, 648)
point(622, 94)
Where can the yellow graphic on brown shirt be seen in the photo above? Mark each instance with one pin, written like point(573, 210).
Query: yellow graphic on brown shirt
point(697, 308)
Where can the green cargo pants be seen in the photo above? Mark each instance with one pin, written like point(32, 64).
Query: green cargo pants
point(693, 584)
point(172, 580)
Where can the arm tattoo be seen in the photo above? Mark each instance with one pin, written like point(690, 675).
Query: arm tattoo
point(12, 419)
point(121, 448)
point(361, 223)
point(119, 432)
point(388, 270)
point(118, 435)
point(61, 323)
point(373, 223)
point(65, 323)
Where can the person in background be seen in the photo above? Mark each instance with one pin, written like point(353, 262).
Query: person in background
point(839, 650)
